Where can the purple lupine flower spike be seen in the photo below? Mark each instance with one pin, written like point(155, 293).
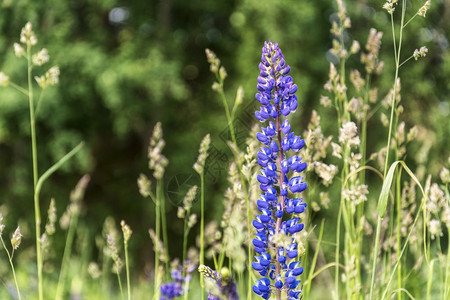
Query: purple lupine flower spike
point(279, 179)
point(176, 288)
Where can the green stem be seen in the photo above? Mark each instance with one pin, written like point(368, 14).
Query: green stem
point(120, 282)
point(12, 267)
point(375, 250)
point(185, 236)
point(230, 118)
point(337, 253)
point(38, 104)
point(19, 88)
point(66, 257)
point(127, 267)
point(397, 53)
point(164, 224)
point(202, 226)
point(37, 213)
point(157, 232)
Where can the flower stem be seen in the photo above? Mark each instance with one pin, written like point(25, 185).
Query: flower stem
point(127, 267)
point(202, 226)
point(12, 267)
point(164, 223)
point(397, 52)
point(66, 256)
point(37, 213)
point(157, 232)
point(230, 119)
point(185, 236)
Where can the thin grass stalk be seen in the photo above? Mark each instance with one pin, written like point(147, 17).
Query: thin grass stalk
point(398, 233)
point(127, 268)
point(337, 252)
point(314, 260)
point(447, 266)
point(66, 257)
point(120, 283)
point(397, 53)
point(10, 257)
point(244, 187)
point(164, 224)
point(37, 211)
point(158, 234)
point(185, 236)
point(202, 229)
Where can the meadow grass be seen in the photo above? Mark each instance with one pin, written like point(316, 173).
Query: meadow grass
point(374, 228)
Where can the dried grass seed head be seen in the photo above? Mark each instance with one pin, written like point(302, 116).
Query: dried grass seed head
point(199, 166)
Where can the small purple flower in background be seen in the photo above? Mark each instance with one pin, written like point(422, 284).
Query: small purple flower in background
point(224, 286)
point(277, 221)
point(176, 288)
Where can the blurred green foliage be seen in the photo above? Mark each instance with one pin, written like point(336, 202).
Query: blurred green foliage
point(127, 64)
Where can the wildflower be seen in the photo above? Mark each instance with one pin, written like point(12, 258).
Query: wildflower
point(126, 230)
point(157, 161)
point(325, 101)
point(16, 238)
point(144, 185)
point(278, 265)
point(50, 226)
point(324, 199)
point(41, 57)
point(179, 285)
point(354, 48)
point(192, 220)
point(27, 35)
point(356, 79)
point(348, 135)
point(422, 52)
point(435, 228)
point(445, 176)
point(370, 59)
point(224, 283)
point(4, 79)
point(158, 246)
point(423, 10)
point(94, 270)
point(337, 150)
point(326, 172)
point(199, 165)
point(18, 50)
point(50, 78)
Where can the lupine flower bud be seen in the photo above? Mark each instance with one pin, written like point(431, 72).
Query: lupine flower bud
point(4, 79)
point(199, 166)
point(16, 238)
point(274, 240)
